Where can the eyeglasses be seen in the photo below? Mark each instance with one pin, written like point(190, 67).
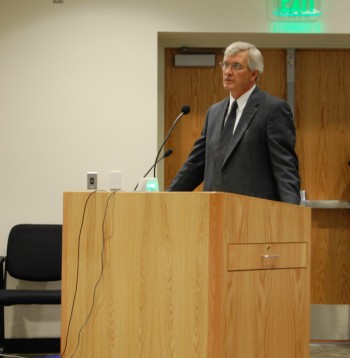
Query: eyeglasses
point(234, 66)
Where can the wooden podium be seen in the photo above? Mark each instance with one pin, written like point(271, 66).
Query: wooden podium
point(184, 275)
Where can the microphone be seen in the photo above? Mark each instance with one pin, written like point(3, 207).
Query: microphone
point(184, 110)
point(166, 154)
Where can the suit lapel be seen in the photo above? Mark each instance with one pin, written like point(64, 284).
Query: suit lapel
point(247, 116)
point(222, 115)
point(218, 127)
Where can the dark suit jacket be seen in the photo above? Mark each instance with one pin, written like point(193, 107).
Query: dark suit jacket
point(260, 160)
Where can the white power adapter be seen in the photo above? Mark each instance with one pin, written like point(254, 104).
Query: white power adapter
point(115, 180)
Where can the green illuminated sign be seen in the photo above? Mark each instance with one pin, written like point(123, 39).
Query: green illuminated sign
point(297, 8)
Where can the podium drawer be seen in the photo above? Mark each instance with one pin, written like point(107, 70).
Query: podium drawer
point(267, 256)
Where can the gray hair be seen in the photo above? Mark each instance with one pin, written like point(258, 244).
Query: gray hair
point(255, 59)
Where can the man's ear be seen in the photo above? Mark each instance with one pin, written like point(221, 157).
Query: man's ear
point(255, 75)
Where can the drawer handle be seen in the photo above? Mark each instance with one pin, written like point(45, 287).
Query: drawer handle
point(269, 257)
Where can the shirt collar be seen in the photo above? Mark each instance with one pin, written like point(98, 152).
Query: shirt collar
point(242, 101)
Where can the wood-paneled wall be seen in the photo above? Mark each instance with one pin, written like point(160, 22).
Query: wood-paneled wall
point(199, 88)
point(330, 258)
point(322, 119)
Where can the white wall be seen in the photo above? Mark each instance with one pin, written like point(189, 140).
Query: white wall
point(81, 90)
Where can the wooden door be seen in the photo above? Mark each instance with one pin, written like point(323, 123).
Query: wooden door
point(199, 87)
point(322, 93)
point(322, 117)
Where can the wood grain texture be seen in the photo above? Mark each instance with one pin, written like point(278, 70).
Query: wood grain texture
point(322, 92)
point(330, 261)
point(199, 88)
point(266, 308)
point(266, 256)
point(152, 297)
point(148, 277)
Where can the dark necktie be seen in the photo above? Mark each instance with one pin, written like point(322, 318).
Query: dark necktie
point(227, 130)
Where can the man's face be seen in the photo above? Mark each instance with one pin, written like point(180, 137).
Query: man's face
point(237, 78)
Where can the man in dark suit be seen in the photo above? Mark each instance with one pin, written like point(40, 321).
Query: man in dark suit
point(255, 156)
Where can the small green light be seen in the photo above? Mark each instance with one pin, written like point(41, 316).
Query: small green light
point(297, 27)
point(152, 184)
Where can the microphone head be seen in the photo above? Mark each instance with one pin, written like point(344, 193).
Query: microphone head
point(168, 152)
point(185, 109)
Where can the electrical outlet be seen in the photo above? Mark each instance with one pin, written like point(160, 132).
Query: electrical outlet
point(92, 180)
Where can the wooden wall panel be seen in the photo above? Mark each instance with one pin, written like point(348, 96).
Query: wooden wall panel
point(199, 88)
point(322, 93)
point(322, 117)
point(330, 258)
